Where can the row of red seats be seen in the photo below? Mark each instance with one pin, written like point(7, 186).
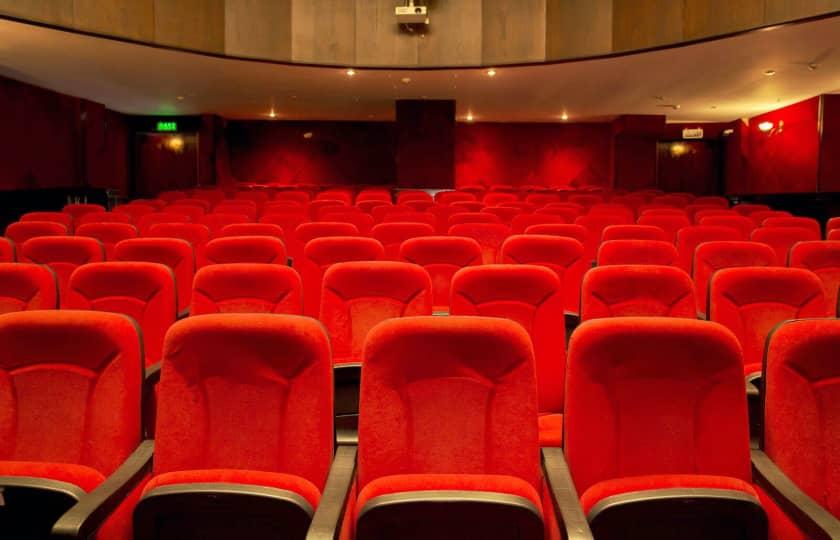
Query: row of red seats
point(656, 433)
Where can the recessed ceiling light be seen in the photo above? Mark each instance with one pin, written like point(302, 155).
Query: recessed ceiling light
point(406, 80)
point(564, 116)
point(350, 72)
point(770, 72)
point(307, 135)
point(272, 114)
point(469, 117)
point(491, 72)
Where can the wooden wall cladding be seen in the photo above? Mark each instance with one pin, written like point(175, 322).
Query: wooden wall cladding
point(461, 33)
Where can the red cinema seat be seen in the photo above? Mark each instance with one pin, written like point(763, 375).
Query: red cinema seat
point(657, 436)
point(745, 209)
point(172, 195)
point(363, 222)
point(712, 200)
point(442, 213)
point(823, 259)
point(680, 200)
point(204, 199)
point(244, 425)
point(55, 217)
point(7, 250)
point(358, 295)
point(411, 217)
point(659, 211)
point(698, 216)
point(621, 212)
point(798, 456)
point(252, 229)
point(107, 233)
point(690, 237)
point(633, 232)
point(191, 210)
point(441, 256)
point(462, 423)
point(646, 252)
point(522, 206)
point(299, 196)
point(419, 205)
point(157, 204)
point(246, 288)
point(670, 224)
point(281, 207)
point(71, 451)
point(392, 235)
point(542, 199)
point(379, 212)
point(319, 229)
point(247, 208)
point(196, 234)
point(316, 207)
point(692, 209)
point(570, 230)
point(78, 210)
point(595, 225)
point(63, 254)
point(495, 198)
point(751, 301)
point(148, 221)
point(289, 221)
point(374, 194)
point(521, 222)
point(449, 197)
point(637, 291)
point(488, 235)
point(504, 213)
point(473, 217)
point(103, 217)
point(175, 253)
point(831, 225)
point(143, 291)
point(586, 200)
point(763, 215)
point(781, 239)
point(463, 207)
point(533, 297)
point(320, 253)
point(343, 195)
point(217, 221)
point(25, 287)
point(563, 255)
point(21, 231)
point(406, 195)
point(804, 222)
point(742, 223)
point(246, 249)
point(709, 257)
point(572, 210)
point(258, 197)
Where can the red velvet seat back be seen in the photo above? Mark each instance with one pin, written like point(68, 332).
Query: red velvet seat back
point(143, 291)
point(292, 195)
point(831, 225)
point(406, 195)
point(195, 233)
point(63, 254)
point(761, 216)
point(650, 396)
point(504, 213)
point(822, 258)
point(801, 394)
point(146, 222)
point(175, 253)
point(358, 295)
point(252, 229)
point(392, 235)
point(315, 207)
point(380, 212)
point(562, 255)
point(441, 256)
point(781, 239)
point(448, 395)
point(7, 250)
point(460, 207)
point(655, 252)
point(320, 253)
point(713, 200)
point(246, 249)
point(363, 222)
point(104, 217)
point(21, 231)
point(191, 210)
point(804, 222)
point(750, 301)
point(54, 217)
point(673, 199)
point(521, 222)
point(689, 238)
point(411, 217)
point(107, 233)
point(71, 388)
point(343, 195)
point(488, 235)
point(449, 197)
point(26, 287)
point(246, 288)
point(533, 297)
point(204, 199)
point(709, 257)
point(473, 217)
point(595, 225)
point(246, 208)
point(586, 200)
point(375, 194)
point(246, 391)
point(216, 221)
point(669, 224)
point(742, 223)
point(637, 291)
point(633, 232)
point(78, 210)
point(745, 209)
point(717, 212)
point(494, 199)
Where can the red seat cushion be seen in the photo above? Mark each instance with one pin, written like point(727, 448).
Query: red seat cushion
point(551, 429)
point(608, 488)
point(289, 482)
point(86, 478)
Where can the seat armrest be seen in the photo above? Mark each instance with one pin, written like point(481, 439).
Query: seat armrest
point(86, 516)
point(326, 523)
point(754, 385)
point(151, 375)
point(564, 496)
point(817, 522)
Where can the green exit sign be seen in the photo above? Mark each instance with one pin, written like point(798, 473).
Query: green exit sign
point(169, 125)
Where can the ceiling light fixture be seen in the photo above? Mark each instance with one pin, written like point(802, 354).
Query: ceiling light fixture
point(272, 114)
point(491, 72)
point(765, 126)
point(770, 72)
point(350, 72)
point(564, 116)
point(727, 132)
point(405, 80)
point(469, 117)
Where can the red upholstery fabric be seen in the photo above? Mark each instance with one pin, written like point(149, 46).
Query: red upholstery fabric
point(586, 200)
point(54, 217)
point(473, 217)
point(633, 232)
point(356, 296)
point(419, 205)
point(282, 207)
point(103, 217)
point(411, 217)
point(654, 396)
point(780, 526)
point(670, 224)
point(673, 199)
point(107, 233)
point(637, 291)
point(449, 197)
point(320, 253)
point(504, 213)
point(651, 210)
point(144, 291)
point(751, 301)
point(7, 250)
point(533, 297)
point(204, 200)
point(81, 476)
point(246, 288)
point(406, 195)
point(619, 486)
point(561, 254)
point(745, 209)
point(249, 392)
point(362, 221)
point(252, 229)
point(742, 223)
point(656, 252)
point(698, 216)
point(78, 210)
point(295, 484)
point(448, 396)
point(175, 253)
point(191, 210)
point(709, 257)
point(343, 195)
point(26, 287)
point(441, 256)
point(781, 239)
point(308, 231)
point(146, 222)
point(216, 221)
point(156, 203)
point(20, 231)
point(63, 254)
point(493, 199)
point(578, 232)
point(378, 194)
point(569, 213)
point(801, 416)
point(622, 211)
point(713, 200)
point(524, 207)
point(822, 258)
point(246, 208)
point(315, 207)
point(258, 197)
point(378, 213)
point(196, 234)
point(392, 235)
point(690, 237)
point(831, 225)
point(595, 225)
point(763, 215)
point(804, 222)
point(541, 199)
point(289, 221)
point(834, 235)
point(246, 249)
point(521, 222)
point(692, 209)
point(172, 195)
point(488, 235)
point(551, 429)
point(292, 195)
point(70, 392)
point(460, 207)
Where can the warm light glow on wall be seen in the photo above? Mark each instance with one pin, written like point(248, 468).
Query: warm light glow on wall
point(678, 149)
point(765, 126)
point(175, 144)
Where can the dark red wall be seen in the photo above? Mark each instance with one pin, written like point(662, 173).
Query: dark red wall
point(830, 146)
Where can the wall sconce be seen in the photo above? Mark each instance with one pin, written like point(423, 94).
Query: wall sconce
point(175, 144)
point(770, 129)
point(678, 149)
point(765, 126)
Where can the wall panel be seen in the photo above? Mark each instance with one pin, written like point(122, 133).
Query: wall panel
point(777, 11)
point(513, 31)
point(133, 19)
point(454, 36)
point(58, 12)
point(704, 18)
point(639, 24)
point(192, 24)
point(379, 40)
point(576, 28)
point(324, 31)
point(259, 28)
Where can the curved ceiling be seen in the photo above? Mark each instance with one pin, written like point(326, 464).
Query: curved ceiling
point(713, 81)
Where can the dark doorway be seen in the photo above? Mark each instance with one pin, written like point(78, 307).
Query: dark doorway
point(165, 161)
point(689, 166)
